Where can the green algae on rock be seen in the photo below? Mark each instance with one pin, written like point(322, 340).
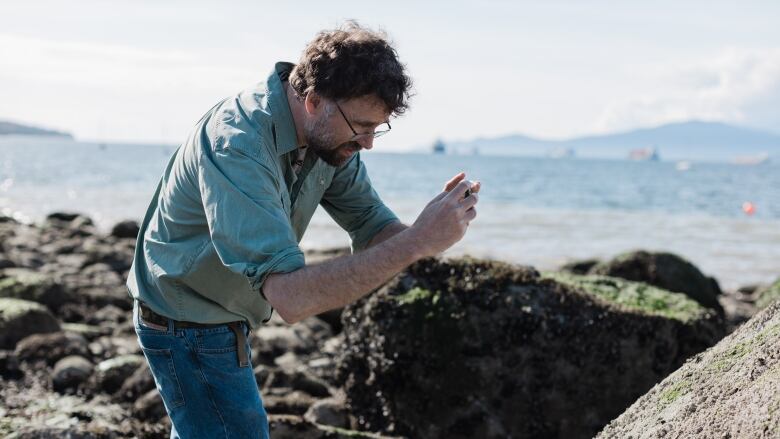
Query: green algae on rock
point(21, 283)
point(731, 390)
point(768, 295)
point(663, 270)
point(474, 348)
point(20, 318)
point(636, 296)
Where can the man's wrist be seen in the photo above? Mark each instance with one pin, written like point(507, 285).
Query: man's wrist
point(412, 244)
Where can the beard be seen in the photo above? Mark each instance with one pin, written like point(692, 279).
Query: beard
point(320, 140)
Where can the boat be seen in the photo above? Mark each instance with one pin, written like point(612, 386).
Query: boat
point(438, 147)
point(683, 165)
point(644, 154)
point(751, 160)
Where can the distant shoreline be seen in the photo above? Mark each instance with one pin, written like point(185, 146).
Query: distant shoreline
point(11, 128)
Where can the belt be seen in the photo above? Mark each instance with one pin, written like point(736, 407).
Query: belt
point(148, 316)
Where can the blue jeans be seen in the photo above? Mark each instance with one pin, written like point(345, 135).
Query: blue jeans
point(205, 392)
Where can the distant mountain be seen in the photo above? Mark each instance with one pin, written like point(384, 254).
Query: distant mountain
point(694, 140)
point(7, 128)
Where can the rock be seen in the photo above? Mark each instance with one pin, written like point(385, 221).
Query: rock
point(125, 229)
point(664, 270)
point(768, 295)
point(74, 432)
point(580, 267)
point(70, 372)
point(89, 332)
point(21, 283)
point(9, 366)
point(20, 318)
point(333, 319)
point(6, 263)
point(118, 255)
point(51, 347)
point(262, 372)
point(112, 373)
point(113, 346)
point(273, 341)
point(292, 427)
point(75, 224)
point(298, 379)
point(730, 391)
point(149, 407)
point(295, 427)
point(109, 314)
point(315, 256)
point(292, 403)
point(470, 348)
point(331, 411)
point(140, 382)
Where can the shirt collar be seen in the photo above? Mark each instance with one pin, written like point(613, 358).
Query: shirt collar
point(286, 138)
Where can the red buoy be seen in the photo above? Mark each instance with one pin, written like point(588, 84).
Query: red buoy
point(749, 208)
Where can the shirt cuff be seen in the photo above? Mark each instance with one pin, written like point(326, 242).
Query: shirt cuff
point(286, 261)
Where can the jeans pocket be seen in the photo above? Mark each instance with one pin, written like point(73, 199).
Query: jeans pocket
point(161, 363)
point(216, 340)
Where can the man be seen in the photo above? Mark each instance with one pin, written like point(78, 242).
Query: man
point(218, 248)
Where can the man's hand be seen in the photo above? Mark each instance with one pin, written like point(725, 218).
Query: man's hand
point(337, 282)
point(444, 220)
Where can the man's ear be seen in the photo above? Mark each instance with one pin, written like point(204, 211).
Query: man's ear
point(312, 103)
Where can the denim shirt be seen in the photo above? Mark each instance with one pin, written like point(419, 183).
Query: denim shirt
point(230, 210)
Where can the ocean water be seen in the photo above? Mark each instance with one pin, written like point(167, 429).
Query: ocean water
point(536, 211)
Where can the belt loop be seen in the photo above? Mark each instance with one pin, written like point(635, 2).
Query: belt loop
point(238, 330)
point(171, 327)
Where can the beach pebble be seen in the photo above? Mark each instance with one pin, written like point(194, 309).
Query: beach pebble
point(125, 229)
point(112, 373)
point(51, 347)
point(330, 411)
point(149, 407)
point(70, 372)
point(9, 366)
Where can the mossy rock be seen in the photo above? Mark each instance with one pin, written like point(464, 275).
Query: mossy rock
point(474, 348)
point(636, 296)
point(767, 296)
point(731, 390)
point(20, 318)
point(22, 283)
point(664, 270)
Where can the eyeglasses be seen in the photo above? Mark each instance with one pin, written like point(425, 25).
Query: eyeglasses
point(362, 136)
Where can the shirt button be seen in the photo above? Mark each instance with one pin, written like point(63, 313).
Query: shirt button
point(322, 181)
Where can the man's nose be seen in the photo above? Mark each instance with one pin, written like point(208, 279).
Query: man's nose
point(367, 143)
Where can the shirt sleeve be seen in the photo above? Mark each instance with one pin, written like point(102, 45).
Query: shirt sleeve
point(248, 224)
point(354, 204)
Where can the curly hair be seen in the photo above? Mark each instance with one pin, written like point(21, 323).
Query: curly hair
point(351, 62)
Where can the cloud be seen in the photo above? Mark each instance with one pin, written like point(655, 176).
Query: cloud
point(739, 85)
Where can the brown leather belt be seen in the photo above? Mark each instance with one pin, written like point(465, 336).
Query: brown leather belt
point(151, 318)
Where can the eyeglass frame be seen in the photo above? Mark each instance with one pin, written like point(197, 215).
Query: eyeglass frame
point(357, 135)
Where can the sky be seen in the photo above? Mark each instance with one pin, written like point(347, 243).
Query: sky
point(144, 71)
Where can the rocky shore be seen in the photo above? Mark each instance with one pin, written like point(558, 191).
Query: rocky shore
point(458, 348)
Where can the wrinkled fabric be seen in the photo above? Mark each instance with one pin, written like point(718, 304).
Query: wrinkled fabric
point(230, 210)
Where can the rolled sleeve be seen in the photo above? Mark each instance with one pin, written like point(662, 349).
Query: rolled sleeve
point(248, 225)
point(354, 204)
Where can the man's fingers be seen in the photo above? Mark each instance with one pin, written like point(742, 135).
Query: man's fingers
point(471, 214)
point(470, 201)
point(459, 191)
point(476, 187)
point(454, 181)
